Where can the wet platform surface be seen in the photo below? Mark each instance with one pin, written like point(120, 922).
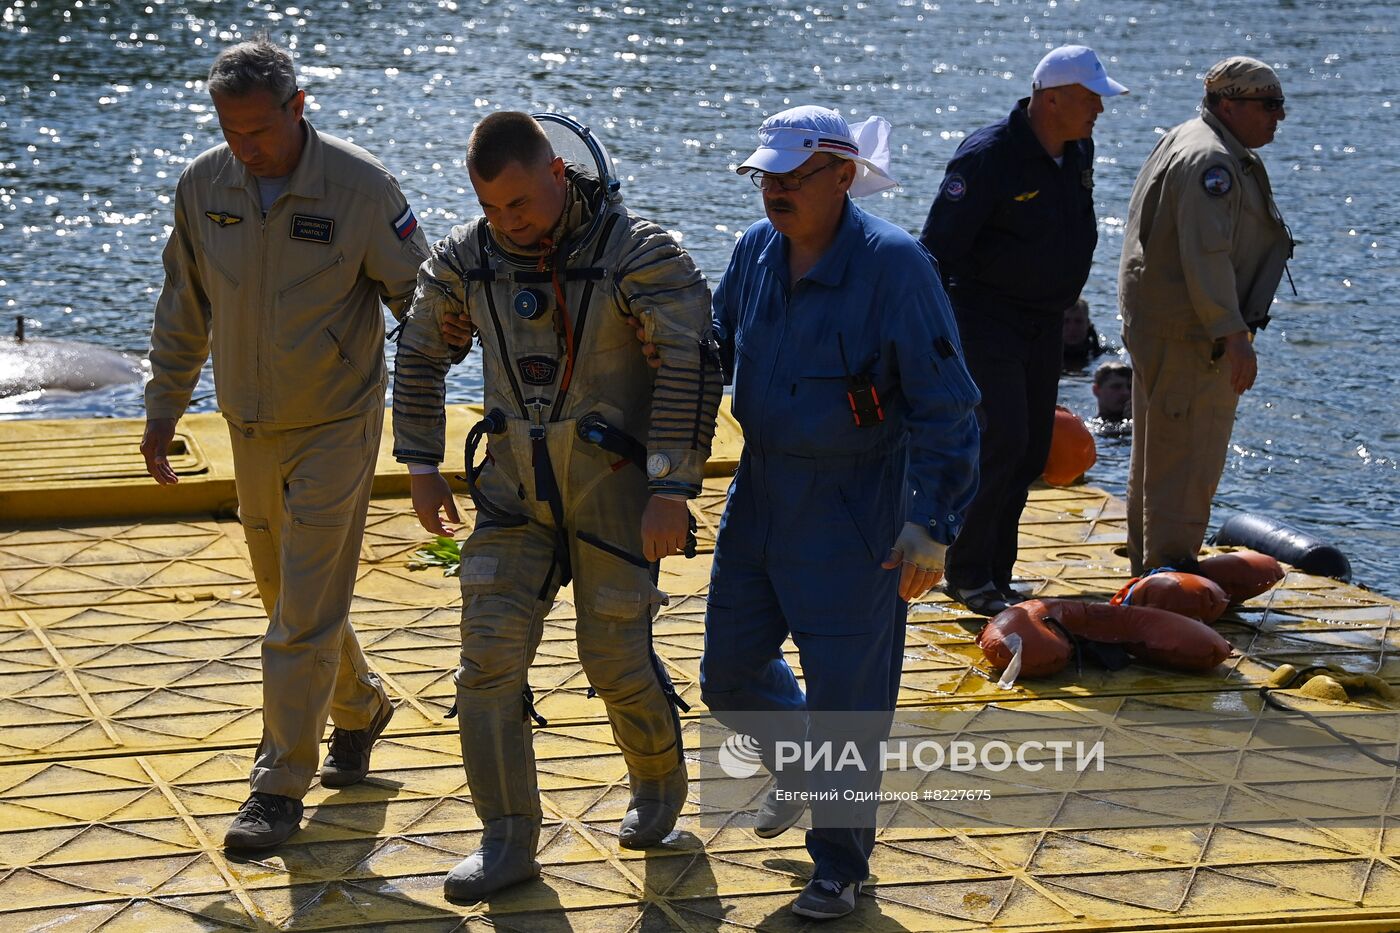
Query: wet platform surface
point(129, 712)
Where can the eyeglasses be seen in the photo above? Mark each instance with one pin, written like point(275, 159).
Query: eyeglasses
point(788, 181)
point(1270, 104)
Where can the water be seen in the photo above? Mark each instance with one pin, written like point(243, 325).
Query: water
point(100, 108)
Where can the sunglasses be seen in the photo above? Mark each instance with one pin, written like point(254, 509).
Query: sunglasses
point(1270, 104)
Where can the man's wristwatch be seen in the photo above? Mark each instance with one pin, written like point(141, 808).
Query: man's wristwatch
point(658, 465)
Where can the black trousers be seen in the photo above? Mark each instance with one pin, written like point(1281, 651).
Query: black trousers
point(1014, 357)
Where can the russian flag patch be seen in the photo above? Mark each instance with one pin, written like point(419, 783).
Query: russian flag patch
point(405, 224)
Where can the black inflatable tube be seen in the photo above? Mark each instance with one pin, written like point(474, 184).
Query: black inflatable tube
point(1289, 545)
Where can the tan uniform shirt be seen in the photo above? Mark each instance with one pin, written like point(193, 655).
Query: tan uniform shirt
point(1205, 244)
point(289, 304)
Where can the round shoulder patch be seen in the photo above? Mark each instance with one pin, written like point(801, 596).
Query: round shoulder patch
point(954, 187)
point(1217, 181)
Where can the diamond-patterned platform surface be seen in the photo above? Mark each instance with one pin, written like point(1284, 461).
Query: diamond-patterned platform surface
point(129, 695)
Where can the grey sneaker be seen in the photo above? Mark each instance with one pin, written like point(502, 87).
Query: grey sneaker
point(348, 760)
point(777, 815)
point(826, 900)
point(264, 821)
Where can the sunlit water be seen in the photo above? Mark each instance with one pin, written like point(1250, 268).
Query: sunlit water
point(101, 107)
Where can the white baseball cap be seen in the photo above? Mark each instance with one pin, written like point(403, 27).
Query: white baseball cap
point(1075, 64)
point(790, 138)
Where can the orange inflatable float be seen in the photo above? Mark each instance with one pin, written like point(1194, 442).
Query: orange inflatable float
point(1187, 594)
point(1045, 649)
point(1072, 450)
point(1045, 627)
point(1242, 574)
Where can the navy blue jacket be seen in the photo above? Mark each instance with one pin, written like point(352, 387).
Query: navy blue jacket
point(1011, 230)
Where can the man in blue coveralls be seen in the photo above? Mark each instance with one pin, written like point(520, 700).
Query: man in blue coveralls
point(1013, 229)
point(860, 450)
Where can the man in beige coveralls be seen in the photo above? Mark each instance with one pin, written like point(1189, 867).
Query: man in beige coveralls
point(1203, 253)
point(285, 242)
point(591, 456)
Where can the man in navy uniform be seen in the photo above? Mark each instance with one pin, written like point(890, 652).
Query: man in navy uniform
point(1013, 230)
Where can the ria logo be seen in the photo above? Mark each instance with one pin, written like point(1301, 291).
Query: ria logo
point(738, 756)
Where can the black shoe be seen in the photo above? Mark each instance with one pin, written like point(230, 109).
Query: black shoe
point(264, 821)
point(348, 760)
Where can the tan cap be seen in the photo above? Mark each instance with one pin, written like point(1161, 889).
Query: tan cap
point(1242, 76)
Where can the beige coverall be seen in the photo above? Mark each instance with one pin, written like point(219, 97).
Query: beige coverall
point(510, 574)
point(1203, 253)
point(289, 306)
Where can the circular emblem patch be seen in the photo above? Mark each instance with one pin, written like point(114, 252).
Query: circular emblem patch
point(954, 187)
point(1217, 181)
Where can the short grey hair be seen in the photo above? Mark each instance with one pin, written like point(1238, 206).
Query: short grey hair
point(256, 65)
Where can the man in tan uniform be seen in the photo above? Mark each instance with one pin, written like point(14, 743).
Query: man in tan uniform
point(1203, 253)
point(591, 456)
point(285, 243)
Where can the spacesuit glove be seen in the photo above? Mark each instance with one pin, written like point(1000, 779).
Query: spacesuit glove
point(921, 558)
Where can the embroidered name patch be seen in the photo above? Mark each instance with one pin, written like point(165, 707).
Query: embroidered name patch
point(1217, 181)
point(312, 229)
point(954, 187)
point(223, 218)
point(538, 370)
point(405, 224)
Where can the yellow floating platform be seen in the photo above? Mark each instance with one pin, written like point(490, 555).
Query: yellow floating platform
point(129, 713)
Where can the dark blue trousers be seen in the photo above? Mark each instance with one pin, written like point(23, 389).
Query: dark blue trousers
point(1014, 358)
point(793, 558)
